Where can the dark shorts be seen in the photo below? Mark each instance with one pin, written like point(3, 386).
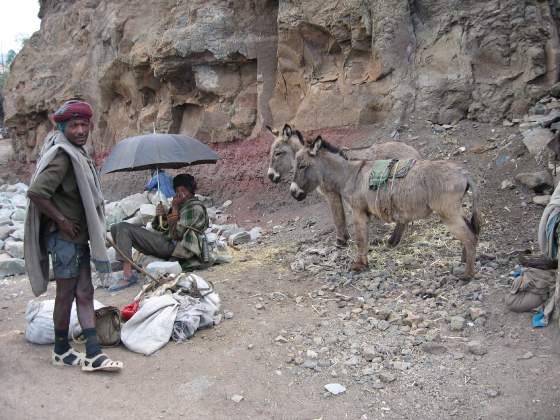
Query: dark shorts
point(67, 257)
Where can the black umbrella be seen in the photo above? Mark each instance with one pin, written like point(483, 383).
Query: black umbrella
point(157, 151)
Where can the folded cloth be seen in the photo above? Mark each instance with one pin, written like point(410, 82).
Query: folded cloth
point(382, 170)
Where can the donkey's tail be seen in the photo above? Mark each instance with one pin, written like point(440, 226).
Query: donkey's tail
point(476, 220)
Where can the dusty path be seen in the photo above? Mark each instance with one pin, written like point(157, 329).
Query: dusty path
point(325, 322)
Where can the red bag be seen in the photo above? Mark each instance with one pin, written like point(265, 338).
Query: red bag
point(129, 310)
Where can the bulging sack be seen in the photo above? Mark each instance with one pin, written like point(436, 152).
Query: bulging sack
point(108, 326)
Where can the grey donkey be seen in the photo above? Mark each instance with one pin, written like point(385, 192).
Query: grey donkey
point(282, 158)
point(430, 187)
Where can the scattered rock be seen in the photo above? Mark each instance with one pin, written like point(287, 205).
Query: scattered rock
point(228, 314)
point(433, 348)
point(387, 377)
point(239, 238)
point(131, 204)
point(19, 215)
point(281, 339)
point(259, 306)
point(5, 231)
point(555, 90)
point(237, 398)
point(476, 347)
point(457, 323)
point(369, 353)
point(526, 356)
point(399, 365)
point(255, 233)
point(536, 139)
point(492, 393)
point(541, 200)
point(538, 181)
point(335, 388)
point(227, 204)
point(476, 313)
point(507, 184)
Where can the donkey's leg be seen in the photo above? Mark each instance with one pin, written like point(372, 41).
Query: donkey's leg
point(397, 234)
point(459, 228)
point(360, 219)
point(339, 218)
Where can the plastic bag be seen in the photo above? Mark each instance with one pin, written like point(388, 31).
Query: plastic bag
point(40, 325)
point(150, 328)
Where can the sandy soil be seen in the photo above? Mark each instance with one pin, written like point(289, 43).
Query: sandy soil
point(242, 356)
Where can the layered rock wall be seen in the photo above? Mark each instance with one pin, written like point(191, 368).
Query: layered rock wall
point(219, 69)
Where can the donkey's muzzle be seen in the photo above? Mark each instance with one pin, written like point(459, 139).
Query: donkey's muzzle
point(297, 192)
point(273, 175)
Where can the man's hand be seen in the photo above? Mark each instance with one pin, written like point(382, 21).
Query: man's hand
point(160, 210)
point(178, 200)
point(69, 228)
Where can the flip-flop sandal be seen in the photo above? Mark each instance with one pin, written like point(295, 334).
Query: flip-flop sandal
point(58, 359)
point(133, 279)
point(106, 365)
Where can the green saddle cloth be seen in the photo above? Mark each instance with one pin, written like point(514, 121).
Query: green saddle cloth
point(382, 170)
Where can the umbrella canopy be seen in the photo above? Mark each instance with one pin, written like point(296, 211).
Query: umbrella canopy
point(163, 151)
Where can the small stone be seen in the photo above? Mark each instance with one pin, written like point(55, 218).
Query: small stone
point(277, 228)
point(250, 346)
point(227, 204)
point(457, 323)
point(476, 313)
point(281, 339)
point(402, 365)
point(353, 361)
point(299, 361)
point(526, 356)
point(507, 184)
point(259, 306)
point(312, 354)
point(433, 348)
point(492, 393)
point(239, 238)
point(387, 377)
point(228, 314)
point(310, 364)
point(541, 200)
point(382, 325)
point(369, 353)
point(335, 388)
point(476, 348)
point(318, 341)
point(237, 398)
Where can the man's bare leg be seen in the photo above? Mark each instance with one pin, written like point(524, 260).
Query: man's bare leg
point(65, 292)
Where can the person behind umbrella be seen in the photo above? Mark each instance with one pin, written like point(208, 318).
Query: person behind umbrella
point(165, 183)
point(180, 238)
point(65, 212)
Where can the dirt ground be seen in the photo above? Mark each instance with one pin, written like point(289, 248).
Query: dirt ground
point(294, 332)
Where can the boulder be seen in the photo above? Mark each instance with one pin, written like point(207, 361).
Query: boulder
point(114, 214)
point(14, 248)
point(17, 234)
point(555, 90)
point(159, 268)
point(131, 204)
point(538, 181)
point(255, 233)
point(5, 231)
point(536, 139)
point(19, 201)
point(545, 120)
point(19, 215)
point(6, 212)
point(12, 267)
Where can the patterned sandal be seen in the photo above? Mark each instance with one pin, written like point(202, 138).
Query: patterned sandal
point(58, 359)
point(106, 365)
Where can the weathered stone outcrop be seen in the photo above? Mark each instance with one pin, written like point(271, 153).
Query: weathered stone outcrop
point(219, 69)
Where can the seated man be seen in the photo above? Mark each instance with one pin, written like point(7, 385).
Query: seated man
point(180, 236)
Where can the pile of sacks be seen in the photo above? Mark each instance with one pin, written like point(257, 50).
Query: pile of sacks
point(174, 310)
point(13, 207)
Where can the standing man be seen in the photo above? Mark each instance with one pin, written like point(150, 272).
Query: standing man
point(65, 213)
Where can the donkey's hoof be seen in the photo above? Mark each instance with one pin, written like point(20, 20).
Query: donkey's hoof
point(359, 266)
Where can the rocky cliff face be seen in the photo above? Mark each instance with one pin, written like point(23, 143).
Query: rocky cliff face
point(219, 69)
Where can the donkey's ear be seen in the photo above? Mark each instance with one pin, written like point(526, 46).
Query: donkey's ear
point(287, 131)
point(300, 137)
point(317, 144)
point(272, 130)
